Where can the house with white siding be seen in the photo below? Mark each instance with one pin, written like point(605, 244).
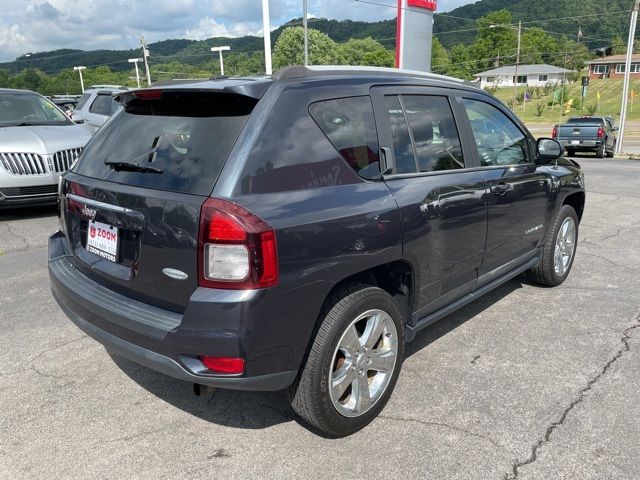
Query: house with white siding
point(530, 75)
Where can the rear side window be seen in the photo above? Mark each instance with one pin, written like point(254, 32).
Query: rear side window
point(185, 136)
point(425, 137)
point(349, 125)
point(101, 105)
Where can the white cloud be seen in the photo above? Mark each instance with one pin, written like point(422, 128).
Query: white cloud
point(39, 25)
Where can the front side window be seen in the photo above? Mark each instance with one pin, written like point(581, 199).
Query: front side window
point(349, 126)
point(499, 140)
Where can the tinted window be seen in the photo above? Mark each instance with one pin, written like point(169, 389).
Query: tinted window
point(187, 136)
point(434, 133)
point(83, 100)
point(31, 109)
point(349, 125)
point(101, 105)
point(499, 140)
point(595, 121)
point(402, 148)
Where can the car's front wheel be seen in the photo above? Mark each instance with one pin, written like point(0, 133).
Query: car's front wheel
point(353, 363)
point(558, 250)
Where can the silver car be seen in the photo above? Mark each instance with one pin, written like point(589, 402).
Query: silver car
point(37, 143)
point(96, 106)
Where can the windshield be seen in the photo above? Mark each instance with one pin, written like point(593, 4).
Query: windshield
point(29, 109)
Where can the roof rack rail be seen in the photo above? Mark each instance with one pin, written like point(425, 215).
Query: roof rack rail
point(297, 71)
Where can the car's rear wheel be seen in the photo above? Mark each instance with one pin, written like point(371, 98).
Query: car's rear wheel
point(600, 153)
point(353, 363)
point(558, 251)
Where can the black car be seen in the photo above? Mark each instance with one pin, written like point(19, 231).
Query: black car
point(296, 231)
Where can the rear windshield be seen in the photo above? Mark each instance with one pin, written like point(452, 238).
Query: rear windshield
point(182, 139)
point(595, 121)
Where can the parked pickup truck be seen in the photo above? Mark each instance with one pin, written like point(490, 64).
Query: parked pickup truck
point(587, 134)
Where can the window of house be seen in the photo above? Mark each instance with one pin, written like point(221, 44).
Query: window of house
point(522, 79)
point(601, 69)
point(491, 79)
point(621, 67)
point(543, 78)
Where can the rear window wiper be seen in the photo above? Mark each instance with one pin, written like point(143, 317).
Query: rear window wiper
point(131, 167)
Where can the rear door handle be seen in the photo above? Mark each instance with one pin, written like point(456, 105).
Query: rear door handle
point(500, 188)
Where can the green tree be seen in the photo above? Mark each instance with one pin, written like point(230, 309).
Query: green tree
point(365, 51)
point(462, 66)
point(618, 45)
point(289, 49)
point(537, 46)
point(497, 38)
point(4, 79)
point(440, 61)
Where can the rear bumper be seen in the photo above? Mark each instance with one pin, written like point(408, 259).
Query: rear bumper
point(583, 145)
point(156, 338)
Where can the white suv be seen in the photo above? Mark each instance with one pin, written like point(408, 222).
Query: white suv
point(96, 106)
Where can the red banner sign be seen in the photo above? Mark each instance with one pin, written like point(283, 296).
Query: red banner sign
point(428, 4)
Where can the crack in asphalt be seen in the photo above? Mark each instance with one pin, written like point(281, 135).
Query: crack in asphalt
point(609, 261)
point(447, 426)
point(30, 362)
point(533, 456)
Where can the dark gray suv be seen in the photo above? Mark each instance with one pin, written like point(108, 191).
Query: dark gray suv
point(296, 231)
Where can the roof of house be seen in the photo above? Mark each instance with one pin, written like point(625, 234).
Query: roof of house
point(524, 70)
point(613, 59)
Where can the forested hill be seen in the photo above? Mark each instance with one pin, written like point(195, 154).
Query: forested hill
point(600, 21)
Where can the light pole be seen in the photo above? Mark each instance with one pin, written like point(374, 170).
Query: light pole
point(627, 75)
point(515, 78)
point(220, 50)
point(305, 30)
point(79, 70)
point(266, 27)
point(135, 62)
point(145, 57)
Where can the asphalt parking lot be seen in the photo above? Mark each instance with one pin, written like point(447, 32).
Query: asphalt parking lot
point(526, 382)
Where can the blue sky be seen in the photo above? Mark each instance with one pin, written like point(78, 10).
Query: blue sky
point(32, 26)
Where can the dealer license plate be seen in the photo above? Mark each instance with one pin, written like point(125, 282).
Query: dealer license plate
point(102, 239)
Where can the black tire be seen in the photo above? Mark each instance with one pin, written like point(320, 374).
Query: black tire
point(612, 153)
point(309, 395)
point(544, 273)
point(600, 153)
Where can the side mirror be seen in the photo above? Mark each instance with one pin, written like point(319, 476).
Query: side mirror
point(549, 150)
point(615, 129)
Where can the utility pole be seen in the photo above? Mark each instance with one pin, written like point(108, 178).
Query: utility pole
point(515, 83)
point(145, 57)
point(627, 75)
point(135, 62)
point(306, 33)
point(79, 70)
point(266, 27)
point(220, 50)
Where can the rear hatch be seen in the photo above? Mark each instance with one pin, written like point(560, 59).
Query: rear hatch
point(581, 130)
point(132, 203)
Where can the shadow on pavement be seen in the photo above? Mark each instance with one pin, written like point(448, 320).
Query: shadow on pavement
point(24, 213)
point(258, 410)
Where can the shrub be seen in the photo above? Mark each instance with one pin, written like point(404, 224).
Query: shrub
point(540, 109)
point(591, 109)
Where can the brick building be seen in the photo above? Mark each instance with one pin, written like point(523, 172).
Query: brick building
point(613, 66)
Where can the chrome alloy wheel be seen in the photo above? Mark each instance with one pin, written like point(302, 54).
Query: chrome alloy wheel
point(363, 363)
point(565, 246)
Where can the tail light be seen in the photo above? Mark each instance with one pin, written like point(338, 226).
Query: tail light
point(148, 94)
point(600, 132)
point(554, 134)
point(236, 249)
